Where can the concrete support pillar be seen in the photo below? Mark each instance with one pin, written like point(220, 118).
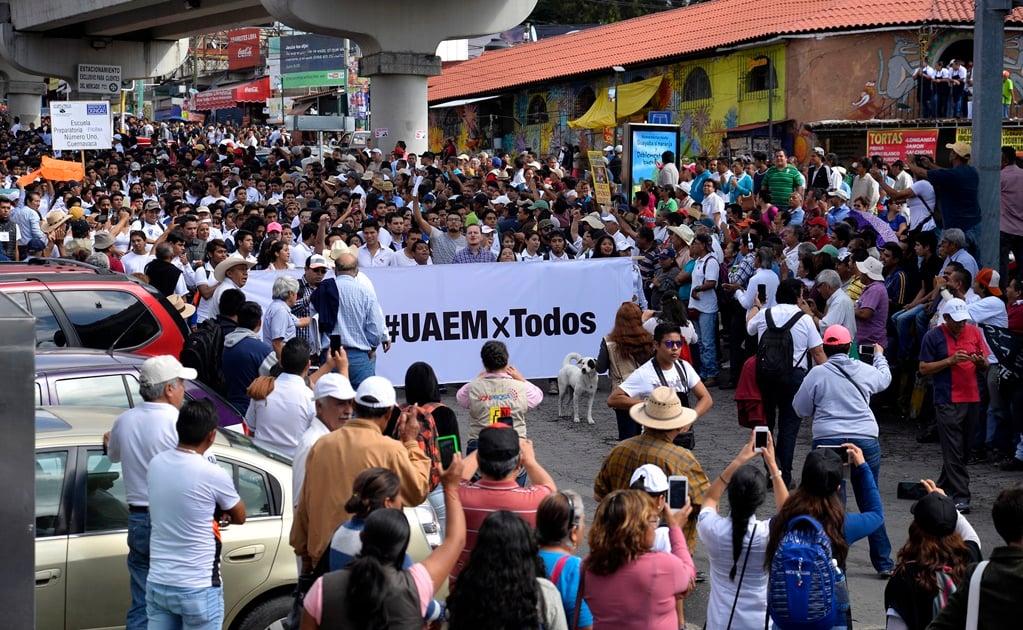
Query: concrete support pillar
point(397, 88)
point(400, 40)
point(988, 59)
point(25, 100)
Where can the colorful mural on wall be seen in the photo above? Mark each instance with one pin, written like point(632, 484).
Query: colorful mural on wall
point(838, 77)
point(705, 96)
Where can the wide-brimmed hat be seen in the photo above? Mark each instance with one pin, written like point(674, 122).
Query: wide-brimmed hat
point(102, 240)
point(220, 272)
point(962, 149)
point(663, 411)
point(683, 232)
point(872, 268)
point(183, 308)
point(336, 250)
point(55, 219)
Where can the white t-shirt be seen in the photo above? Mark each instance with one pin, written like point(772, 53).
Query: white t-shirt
point(204, 277)
point(399, 259)
point(924, 191)
point(715, 532)
point(643, 380)
point(134, 263)
point(280, 420)
point(805, 335)
point(184, 490)
point(315, 431)
point(706, 301)
point(139, 435)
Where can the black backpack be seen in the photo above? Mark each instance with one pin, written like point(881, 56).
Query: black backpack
point(774, 353)
point(202, 352)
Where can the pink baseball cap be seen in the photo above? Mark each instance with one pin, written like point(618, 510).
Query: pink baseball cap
point(274, 227)
point(837, 335)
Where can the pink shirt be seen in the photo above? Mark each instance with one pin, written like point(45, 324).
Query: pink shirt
point(313, 601)
point(641, 594)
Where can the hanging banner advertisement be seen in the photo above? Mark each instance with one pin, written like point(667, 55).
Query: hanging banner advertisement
point(243, 48)
point(312, 61)
point(900, 144)
point(644, 147)
point(601, 184)
point(523, 306)
point(1010, 137)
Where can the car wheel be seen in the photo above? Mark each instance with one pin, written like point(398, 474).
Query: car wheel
point(270, 615)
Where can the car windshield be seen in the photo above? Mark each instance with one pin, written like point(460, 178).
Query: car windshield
point(239, 440)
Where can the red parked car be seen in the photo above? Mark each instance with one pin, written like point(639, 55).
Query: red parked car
point(79, 306)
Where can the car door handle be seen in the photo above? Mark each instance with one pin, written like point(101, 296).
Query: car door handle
point(247, 553)
point(46, 576)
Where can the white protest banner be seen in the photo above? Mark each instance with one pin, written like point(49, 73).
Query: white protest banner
point(442, 314)
point(81, 125)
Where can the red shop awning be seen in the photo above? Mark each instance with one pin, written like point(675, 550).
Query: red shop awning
point(255, 92)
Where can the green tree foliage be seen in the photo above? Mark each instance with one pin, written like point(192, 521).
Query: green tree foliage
point(597, 11)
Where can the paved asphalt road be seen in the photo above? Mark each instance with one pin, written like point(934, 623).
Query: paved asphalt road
point(573, 453)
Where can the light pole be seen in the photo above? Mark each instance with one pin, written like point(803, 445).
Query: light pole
point(617, 70)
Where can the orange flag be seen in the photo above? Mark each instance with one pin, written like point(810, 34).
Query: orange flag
point(62, 171)
point(25, 180)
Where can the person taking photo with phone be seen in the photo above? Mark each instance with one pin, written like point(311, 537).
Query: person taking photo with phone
point(837, 397)
point(736, 544)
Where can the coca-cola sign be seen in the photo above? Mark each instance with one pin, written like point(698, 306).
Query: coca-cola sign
point(243, 48)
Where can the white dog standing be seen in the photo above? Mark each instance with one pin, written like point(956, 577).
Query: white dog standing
point(577, 381)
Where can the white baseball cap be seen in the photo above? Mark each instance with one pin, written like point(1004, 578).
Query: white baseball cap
point(654, 479)
point(333, 385)
point(956, 309)
point(162, 369)
point(376, 392)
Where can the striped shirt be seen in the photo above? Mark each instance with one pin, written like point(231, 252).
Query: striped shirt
point(481, 498)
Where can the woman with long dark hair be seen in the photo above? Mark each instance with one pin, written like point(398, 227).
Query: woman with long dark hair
point(373, 489)
point(625, 348)
point(818, 495)
point(627, 585)
point(560, 528)
point(941, 543)
point(503, 585)
point(374, 592)
point(736, 544)
point(435, 420)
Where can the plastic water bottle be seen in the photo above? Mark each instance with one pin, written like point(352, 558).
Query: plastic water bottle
point(841, 595)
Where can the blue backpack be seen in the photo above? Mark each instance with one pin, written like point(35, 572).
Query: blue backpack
point(801, 589)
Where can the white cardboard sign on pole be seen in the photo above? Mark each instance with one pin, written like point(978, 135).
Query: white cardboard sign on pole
point(81, 125)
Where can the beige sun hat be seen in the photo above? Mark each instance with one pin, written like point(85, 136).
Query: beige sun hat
point(183, 308)
point(663, 411)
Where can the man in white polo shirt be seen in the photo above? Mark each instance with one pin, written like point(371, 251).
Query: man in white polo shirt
point(138, 435)
point(189, 494)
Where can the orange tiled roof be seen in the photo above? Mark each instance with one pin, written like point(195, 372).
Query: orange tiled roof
point(700, 27)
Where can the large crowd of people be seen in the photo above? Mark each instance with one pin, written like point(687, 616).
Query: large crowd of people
point(817, 292)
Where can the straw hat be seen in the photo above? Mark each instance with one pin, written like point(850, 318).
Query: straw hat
point(336, 250)
point(55, 219)
point(184, 309)
point(663, 411)
point(220, 272)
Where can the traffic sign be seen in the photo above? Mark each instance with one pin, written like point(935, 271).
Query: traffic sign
point(99, 79)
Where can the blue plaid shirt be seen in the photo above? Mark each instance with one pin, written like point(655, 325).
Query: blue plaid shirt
point(360, 322)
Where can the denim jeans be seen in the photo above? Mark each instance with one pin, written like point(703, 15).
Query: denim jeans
point(903, 322)
point(360, 366)
point(138, 568)
point(627, 427)
point(973, 240)
point(880, 546)
point(177, 608)
point(708, 323)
